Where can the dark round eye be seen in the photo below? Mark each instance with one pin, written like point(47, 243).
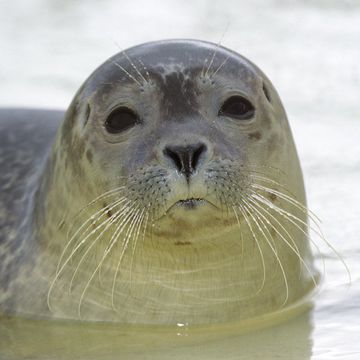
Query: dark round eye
point(237, 107)
point(121, 119)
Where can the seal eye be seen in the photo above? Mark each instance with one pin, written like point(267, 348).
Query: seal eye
point(121, 119)
point(237, 107)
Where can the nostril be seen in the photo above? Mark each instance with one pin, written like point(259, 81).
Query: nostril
point(197, 154)
point(185, 158)
point(175, 157)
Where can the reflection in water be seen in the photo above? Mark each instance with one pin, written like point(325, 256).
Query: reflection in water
point(29, 339)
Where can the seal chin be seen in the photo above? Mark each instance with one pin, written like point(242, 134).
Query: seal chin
point(184, 219)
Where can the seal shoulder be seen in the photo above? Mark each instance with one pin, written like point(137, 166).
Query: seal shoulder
point(25, 137)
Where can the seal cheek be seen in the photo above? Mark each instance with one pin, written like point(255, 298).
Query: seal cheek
point(273, 143)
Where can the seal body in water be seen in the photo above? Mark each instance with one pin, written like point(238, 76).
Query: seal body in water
point(171, 192)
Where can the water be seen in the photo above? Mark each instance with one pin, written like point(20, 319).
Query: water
point(310, 50)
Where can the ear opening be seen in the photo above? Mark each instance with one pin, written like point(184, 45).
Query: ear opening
point(266, 92)
point(87, 114)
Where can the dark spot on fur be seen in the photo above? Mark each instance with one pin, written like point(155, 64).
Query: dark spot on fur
point(180, 95)
point(108, 212)
point(182, 243)
point(255, 135)
point(272, 197)
point(89, 155)
point(81, 146)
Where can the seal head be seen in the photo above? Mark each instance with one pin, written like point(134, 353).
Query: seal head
point(173, 194)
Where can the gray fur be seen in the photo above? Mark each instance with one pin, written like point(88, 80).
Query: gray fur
point(26, 136)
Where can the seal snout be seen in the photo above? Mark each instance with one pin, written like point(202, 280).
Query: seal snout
point(185, 158)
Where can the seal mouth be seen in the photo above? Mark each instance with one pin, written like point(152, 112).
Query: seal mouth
point(191, 203)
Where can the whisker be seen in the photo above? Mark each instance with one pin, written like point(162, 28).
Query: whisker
point(127, 73)
point(135, 67)
point(109, 193)
point(203, 68)
point(291, 200)
point(113, 219)
point(131, 62)
point(293, 247)
point(106, 252)
point(272, 181)
point(296, 225)
point(216, 49)
point(107, 222)
point(251, 166)
point(288, 234)
point(245, 200)
point(114, 239)
point(241, 234)
point(127, 238)
point(254, 202)
point(146, 70)
point(59, 272)
point(274, 252)
point(235, 173)
point(95, 217)
point(242, 210)
point(292, 218)
point(145, 220)
point(220, 66)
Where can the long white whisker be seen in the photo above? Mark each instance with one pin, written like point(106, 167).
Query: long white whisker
point(292, 219)
point(145, 69)
point(287, 233)
point(258, 204)
point(293, 247)
point(128, 74)
point(241, 234)
point(217, 49)
point(88, 223)
point(130, 61)
point(144, 220)
point(243, 212)
point(219, 67)
point(122, 225)
point(59, 272)
point(249, 205)
point(122, 212)
point(291, 200)
point(129, 232)
point(273, 250)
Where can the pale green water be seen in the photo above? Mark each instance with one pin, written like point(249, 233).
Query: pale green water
point(34, 340)
point(311, 51)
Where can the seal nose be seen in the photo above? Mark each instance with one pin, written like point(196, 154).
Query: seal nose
point(185, 158)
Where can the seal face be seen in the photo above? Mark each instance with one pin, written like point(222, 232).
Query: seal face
point(173, 194)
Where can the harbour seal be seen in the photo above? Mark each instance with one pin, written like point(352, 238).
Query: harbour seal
point(171, 193)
